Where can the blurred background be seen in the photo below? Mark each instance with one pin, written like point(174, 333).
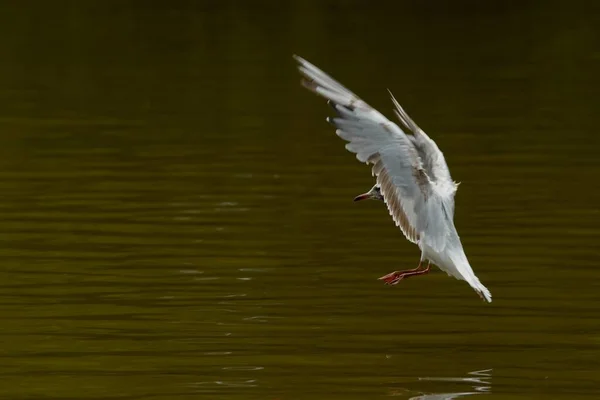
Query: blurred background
point(177, 216)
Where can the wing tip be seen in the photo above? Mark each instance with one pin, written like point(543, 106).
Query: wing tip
point(309, 84)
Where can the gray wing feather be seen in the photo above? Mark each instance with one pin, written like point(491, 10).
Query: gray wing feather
point(413, 200)
point(417, 194)
point(434, 161)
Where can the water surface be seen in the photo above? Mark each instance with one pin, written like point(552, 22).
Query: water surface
point(177, 217)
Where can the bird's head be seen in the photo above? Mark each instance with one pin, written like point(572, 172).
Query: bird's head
point(373, 194)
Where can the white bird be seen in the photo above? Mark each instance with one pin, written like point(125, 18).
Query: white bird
point(411, 174)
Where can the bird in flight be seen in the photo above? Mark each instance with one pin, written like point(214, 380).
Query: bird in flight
point(412, 177)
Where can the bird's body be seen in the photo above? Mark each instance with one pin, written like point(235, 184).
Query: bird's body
point(411, 173)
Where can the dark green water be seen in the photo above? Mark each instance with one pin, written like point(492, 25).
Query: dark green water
point(177, 218)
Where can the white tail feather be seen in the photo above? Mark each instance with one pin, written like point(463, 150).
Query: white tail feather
point(480, 289)
point(460, 268)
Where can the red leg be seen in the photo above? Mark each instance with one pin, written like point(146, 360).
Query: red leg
point(396, 276)
point(392, 275)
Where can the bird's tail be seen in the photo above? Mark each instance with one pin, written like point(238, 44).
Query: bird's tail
point(462, 270)
point(481, 290)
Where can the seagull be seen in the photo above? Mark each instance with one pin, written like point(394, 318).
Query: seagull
point(412, 177)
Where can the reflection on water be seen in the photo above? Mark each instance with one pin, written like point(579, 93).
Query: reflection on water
point(480, 382)
point(177, 218)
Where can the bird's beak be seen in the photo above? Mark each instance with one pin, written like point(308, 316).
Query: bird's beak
point(363, 196)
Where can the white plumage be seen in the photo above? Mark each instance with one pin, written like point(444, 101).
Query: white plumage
point(410, 170)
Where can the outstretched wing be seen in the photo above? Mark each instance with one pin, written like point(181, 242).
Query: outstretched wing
point(415, 203)
point(431, 156)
